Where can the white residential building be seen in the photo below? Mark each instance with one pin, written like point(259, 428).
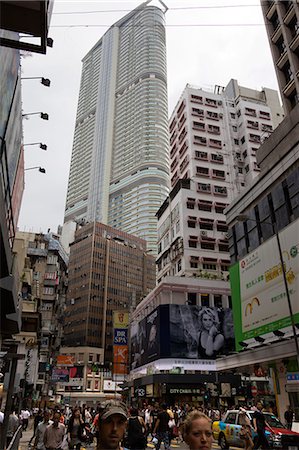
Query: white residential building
point(214, 138)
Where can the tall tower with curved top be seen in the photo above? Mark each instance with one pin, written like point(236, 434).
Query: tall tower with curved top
point(119, 171)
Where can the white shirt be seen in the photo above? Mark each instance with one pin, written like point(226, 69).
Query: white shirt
point(1, 417)
point(25, 414)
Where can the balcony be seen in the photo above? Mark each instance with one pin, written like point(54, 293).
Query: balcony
point(271, 11)
point(295, 42)
point(289, 14)
point(282, 59)
point(31, 251)
point(276, 35)
point(289, 87)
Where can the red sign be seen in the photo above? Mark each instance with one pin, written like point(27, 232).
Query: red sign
point(65, 360)
point(254, 390)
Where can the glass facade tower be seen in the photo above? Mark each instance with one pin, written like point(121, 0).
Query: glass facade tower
point(119, 171)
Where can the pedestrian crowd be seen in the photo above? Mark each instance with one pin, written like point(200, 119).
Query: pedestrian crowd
point(113, 427)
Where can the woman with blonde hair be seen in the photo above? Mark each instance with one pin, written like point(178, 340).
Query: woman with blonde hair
point(210, 340)
point(197, 431)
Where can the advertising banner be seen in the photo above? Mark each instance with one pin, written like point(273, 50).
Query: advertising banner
point(65, 360)
point(184, 334)
point(120, 336)
point(120, 359)
point(60, 375)
point(75, 376)
point(120, 319)
point(258, 291)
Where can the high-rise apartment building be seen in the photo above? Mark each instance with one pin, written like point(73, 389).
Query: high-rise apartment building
point(214, 138)
point(109, 270)
point(282, 26)
point(119, 170)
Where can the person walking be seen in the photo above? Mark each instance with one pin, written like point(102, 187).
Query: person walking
point(162, 428)
point(76, 430)
point(54, 433)
point(259, 425)
point(245, 432)
point(288, 416)
point(40, 431)
point(111, 425)
point(13, 423)
point(25, 414)
point(197, 431)
point(136, 431)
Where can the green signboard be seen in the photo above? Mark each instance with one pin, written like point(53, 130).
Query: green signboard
point(258, 291)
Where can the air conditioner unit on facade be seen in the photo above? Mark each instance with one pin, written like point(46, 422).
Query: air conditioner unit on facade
point(203, 233)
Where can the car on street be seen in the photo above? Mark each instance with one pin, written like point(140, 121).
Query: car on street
point(227, 432)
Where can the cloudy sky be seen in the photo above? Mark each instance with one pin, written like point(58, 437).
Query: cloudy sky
point(208, 43)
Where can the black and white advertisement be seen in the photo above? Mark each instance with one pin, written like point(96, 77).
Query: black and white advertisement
point(200, 332)
point(182, 331)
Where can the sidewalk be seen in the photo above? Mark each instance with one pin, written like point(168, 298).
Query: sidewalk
point(24, 441)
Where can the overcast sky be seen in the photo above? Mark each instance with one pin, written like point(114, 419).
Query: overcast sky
point(201, 50)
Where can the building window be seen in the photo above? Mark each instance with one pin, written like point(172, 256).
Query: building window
point(190, 203)
point(205, 205)
point(203, 171)
point(220, 190)
point(218, 301)
point(197, 112)
point(247, 168)
point(179, 265)
point(218, 174)
point(193, 243)
point(192, 298)
point(201, 155)
point(196, 99)
point(90, 357)
point(200, 140)
point(205, 299)
point(191, 222)
point(207, 245)
point(217, 158)
point(202, 187)
point(236, 141)
point(199, 126)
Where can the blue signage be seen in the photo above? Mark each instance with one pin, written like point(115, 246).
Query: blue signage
point(120, 336)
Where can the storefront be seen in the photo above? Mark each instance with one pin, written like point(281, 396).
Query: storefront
point(195, 389)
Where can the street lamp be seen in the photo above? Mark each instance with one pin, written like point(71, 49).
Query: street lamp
point(40, 169)
point(244, 218)
point(42, 146)
point(42, 115)
point(45, 81)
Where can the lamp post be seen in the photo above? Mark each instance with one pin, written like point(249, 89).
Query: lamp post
point(42, 146)
point(45, 81)
point(42, 115)
point(40, 169)
point(244, 218)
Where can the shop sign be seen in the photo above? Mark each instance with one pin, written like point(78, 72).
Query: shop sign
point(120, 336)
point(185, 391)
point(60, 375)
point(65, 360)
point(140, 392)
point(293, 378)
point(149, 390)
point(120, 319)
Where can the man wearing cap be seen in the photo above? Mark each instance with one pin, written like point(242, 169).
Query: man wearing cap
point(112, 425)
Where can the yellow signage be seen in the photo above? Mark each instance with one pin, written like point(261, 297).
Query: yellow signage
point(120, 319)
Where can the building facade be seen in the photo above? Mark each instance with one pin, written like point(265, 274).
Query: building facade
point(42, 264)
point(109, 270)
point(214, 140)
point(282, 26)
point(119, 170)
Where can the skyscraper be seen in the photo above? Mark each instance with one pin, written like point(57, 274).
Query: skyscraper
point(120, 166)
point(282, 26)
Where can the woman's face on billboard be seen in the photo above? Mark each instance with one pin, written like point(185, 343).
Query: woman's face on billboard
point(207, 321)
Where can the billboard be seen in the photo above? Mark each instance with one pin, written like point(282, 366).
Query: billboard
point(182, 331)
point(65, 360)
point(60, 375)
point(120, 359)
point(120, 342)
point(120, 319)
point(258, 291)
